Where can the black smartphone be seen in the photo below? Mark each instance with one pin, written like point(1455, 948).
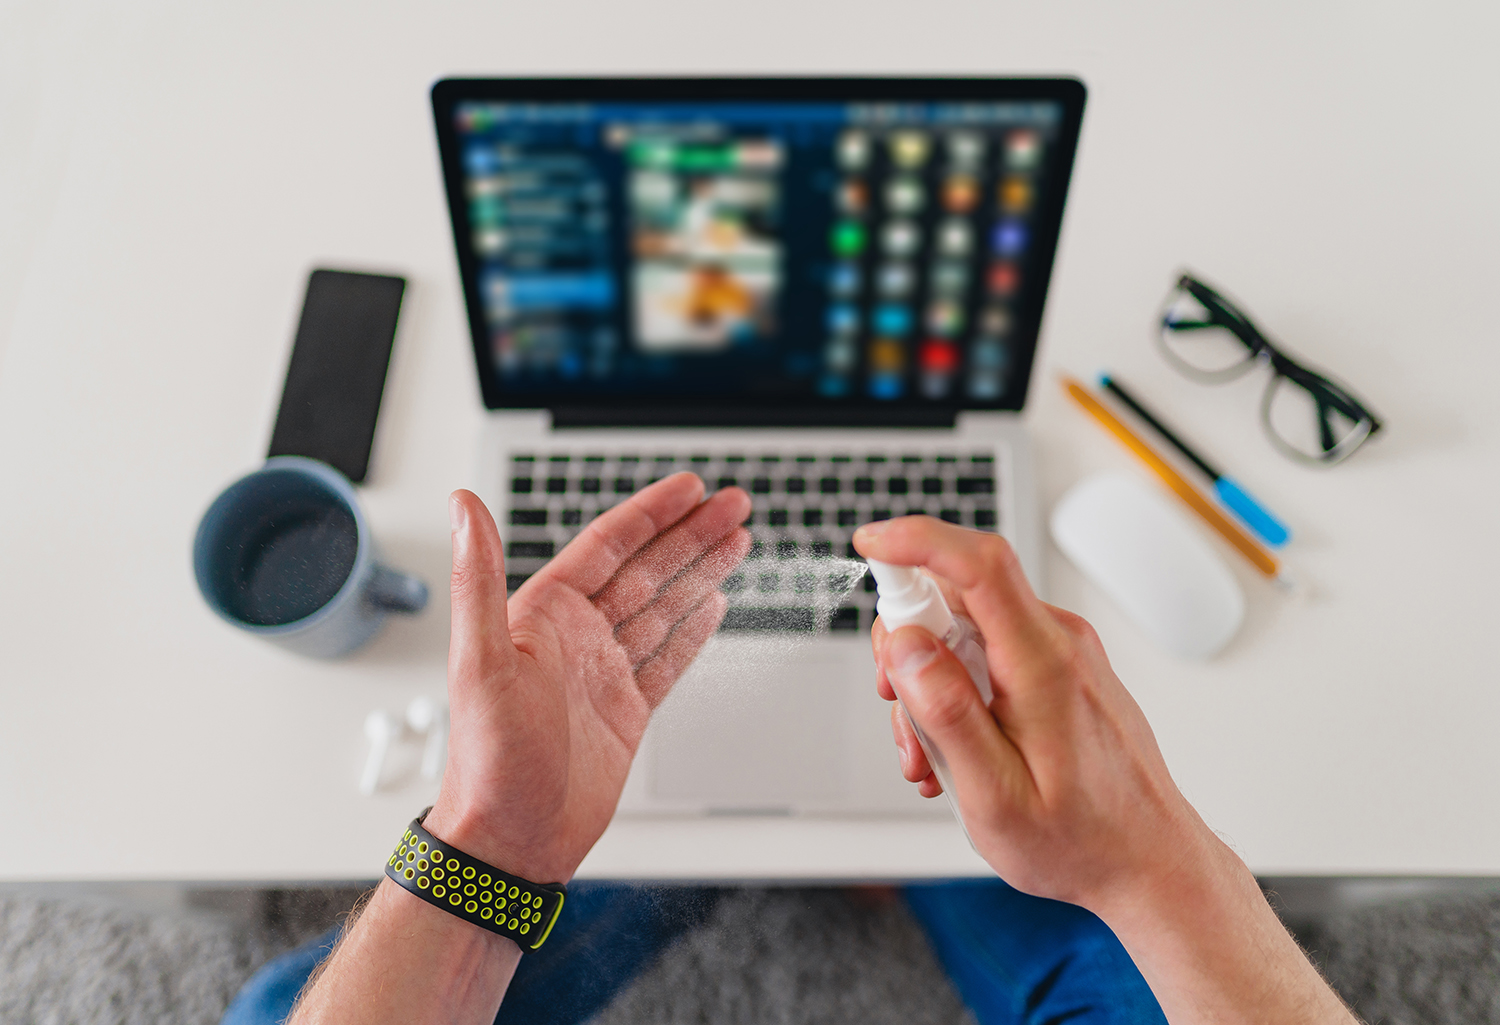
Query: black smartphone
point(337, 370)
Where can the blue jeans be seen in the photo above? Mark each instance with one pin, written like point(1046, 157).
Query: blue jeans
point(1013, 958)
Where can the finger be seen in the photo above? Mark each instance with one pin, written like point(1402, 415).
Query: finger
point(641, 635)
point(657, 674)
point(480, 643)
point(941, 697)
point(878, 634)
point(641, 578)
point(914, 764)
point(598, 552)
point(982, 567)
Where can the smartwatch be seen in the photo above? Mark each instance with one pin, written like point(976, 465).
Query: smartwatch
point(480, 894)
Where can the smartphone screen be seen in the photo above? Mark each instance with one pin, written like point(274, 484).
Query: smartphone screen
point(337, 371)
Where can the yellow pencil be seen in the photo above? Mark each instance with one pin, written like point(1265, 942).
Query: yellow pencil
point(1262, 559)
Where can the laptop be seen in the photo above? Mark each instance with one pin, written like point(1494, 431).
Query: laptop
point(826, 291)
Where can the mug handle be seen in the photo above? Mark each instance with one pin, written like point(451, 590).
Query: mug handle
point(396, 592)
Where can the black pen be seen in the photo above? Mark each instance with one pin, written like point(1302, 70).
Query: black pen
point(1255, 516)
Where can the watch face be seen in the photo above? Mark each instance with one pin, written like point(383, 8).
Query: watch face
point(472, 890)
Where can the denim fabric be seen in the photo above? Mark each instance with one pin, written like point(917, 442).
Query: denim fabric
point(606, 936)
point(1013, 958)
point(1021, 960)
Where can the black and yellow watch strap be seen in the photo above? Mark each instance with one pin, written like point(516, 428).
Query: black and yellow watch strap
point(465, 886)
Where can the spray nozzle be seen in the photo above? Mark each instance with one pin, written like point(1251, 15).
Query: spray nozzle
point(908, 597)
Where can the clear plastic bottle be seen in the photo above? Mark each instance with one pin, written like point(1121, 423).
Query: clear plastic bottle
point(908, 597)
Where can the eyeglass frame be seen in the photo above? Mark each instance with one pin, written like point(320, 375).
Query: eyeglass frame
point(1326, 393)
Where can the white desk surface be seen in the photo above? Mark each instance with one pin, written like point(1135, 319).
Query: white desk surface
point(170, 171)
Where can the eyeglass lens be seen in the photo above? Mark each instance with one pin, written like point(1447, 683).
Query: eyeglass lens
point(1307, 415)
point(1200, 340)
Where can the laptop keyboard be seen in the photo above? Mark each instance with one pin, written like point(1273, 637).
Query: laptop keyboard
point(805, 507)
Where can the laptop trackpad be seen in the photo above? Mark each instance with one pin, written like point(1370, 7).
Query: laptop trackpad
point(754, 727)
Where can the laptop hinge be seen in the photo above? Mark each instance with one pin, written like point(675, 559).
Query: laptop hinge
point(729, 416)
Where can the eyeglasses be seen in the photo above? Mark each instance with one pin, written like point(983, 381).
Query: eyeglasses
point(1307, 415)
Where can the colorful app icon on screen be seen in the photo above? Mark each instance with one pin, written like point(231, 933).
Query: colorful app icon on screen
point(909, 148)
point(844, 280)
point(1004, 278)
point(960, 194)
point(848, 238)
point(895, 280)
point(1016, 195)
point(904, 195)
point(900, 238)
point(1023, 149)
point(1010, 237)
point(891, 319)
point(854, 151)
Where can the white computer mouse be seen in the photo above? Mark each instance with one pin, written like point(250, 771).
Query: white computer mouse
point(1130, 539)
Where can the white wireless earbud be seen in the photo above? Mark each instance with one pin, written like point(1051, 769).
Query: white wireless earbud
point(381, 729)
point(427, 717)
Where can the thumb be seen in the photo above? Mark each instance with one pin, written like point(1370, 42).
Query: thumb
point(480, 641)
point(944, 704)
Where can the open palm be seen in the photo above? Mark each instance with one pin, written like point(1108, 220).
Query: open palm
point(551, 695)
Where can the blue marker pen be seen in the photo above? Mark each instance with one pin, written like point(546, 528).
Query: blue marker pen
point(1254, 515)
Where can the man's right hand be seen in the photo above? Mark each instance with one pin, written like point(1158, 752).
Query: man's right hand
point(1065, 793)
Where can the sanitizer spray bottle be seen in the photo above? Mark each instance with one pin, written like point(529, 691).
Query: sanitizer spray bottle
point(908, 597)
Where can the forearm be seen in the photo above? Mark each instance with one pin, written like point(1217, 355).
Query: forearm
point(1213, 950)
point(405, 961)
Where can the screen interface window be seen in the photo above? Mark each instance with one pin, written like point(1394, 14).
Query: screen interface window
point(782, 251)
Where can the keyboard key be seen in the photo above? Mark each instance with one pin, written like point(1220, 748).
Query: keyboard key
point(515, 580)
point(932, 485)
point(629, 460)
point(849, 552)
point(770, 459)
point(523, 459)
point(760, 486)
point(559, 459)
point(798, 620)
point(624, 485)
point(911, 459)
point(812, 517)
point(829, 485)
point(976, 485)
point(786, 548)
point(981, 457)
point(804, 583)
point(874, 459)
point(950, 516)
point(796, 485)
point(947, 459)
point(984, 519)
point(869, 583)
point(572, 517)
point(777, 518)
point(898, 485)
point(864, 485)
point(838, 459)
point(807, 459)
point(520, 485)
point(757, 550)
point(749, 520)
point(768, 583)
point(557, 485)
point(734, 459)
point(879, 514)
point(528, 517)
point(530, 550)
point(846, 618)
point(733, 584)
point(699, 458)
point(589, 485)
point(728, 482)
point(848, 518)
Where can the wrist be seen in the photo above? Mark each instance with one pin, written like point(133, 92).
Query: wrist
point(474, 832)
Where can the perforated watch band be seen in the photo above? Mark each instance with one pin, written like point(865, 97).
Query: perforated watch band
point(462, 885)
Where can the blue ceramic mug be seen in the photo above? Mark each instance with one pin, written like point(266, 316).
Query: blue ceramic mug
point(285, 553)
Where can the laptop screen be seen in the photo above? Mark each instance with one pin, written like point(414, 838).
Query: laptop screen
point(773, 247)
